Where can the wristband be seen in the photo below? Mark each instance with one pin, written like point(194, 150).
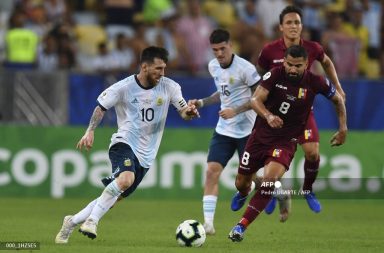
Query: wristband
point(200, 102)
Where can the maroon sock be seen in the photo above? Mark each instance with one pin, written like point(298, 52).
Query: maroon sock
point(311, 169)
point(256, 205)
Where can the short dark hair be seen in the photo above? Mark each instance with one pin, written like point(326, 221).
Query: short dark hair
point(218, 36)
point(296, 51)
point(290, 9)
point(150, 53)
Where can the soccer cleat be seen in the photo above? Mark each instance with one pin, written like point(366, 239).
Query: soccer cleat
point(65, 231)
point(209, 229)
point(312, 202)
point(89, 228)
point(237, 233)
point(285, 208)
point(107, 180)
point(271, 206)
point(238, 201)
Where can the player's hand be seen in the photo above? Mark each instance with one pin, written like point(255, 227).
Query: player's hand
point(86, 141)
point(274, 121)
point(227, 113)
point(191, 112)
point(338, 138)
point(194, 102)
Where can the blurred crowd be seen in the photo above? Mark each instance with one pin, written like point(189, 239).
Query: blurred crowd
point(107, 36)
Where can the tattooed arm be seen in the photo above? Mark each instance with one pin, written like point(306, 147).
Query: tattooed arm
point(87, 140)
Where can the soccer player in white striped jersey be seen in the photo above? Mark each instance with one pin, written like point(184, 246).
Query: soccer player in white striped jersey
point(141, 102)
point(235, 79)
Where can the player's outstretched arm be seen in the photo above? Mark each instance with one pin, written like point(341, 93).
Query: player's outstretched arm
point(330, 70)
point(212, 99)
point(87, 140)
point(257, 102)
point(340, 136)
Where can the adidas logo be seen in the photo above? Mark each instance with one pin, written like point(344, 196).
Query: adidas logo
point(135, 101)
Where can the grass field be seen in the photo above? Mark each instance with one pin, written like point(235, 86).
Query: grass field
point(149, 226)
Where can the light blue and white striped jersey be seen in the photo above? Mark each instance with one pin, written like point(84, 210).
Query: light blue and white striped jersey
point(141, 113)
point(233, 83)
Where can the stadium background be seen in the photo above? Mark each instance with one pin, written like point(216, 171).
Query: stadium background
point(52, 97)
point(45, 105)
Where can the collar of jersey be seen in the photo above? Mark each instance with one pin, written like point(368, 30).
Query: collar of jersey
point(138, 82)
point(230, 63)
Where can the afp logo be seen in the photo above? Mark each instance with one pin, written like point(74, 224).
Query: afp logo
point(276, 184)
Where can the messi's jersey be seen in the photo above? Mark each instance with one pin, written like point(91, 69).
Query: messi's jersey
point(141, 113)
point(234, 85)
point(272, 55)
point(290, 101)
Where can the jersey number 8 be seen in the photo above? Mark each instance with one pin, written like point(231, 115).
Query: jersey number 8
point(284, 107)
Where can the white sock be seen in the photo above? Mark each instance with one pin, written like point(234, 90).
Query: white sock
point(105, 201)
point(81, 216)
point(209, 207)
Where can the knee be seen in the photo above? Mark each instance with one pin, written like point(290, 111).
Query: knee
point(312, 154)
point(213, 173)
point(125, 180)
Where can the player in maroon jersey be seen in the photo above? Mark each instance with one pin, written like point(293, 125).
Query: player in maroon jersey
point(272, 55)
point(283, 102)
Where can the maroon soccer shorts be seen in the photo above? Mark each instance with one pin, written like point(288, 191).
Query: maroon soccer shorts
point(257, 155)
point(311, 133)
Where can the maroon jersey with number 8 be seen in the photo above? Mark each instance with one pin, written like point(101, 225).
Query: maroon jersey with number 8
point(291, 101)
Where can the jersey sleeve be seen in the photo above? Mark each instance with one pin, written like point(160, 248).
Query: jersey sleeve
point(177, 99)
point(325, 87)
point(251, 77)
point(111, 96)
point(268, 79)
point(319, 52)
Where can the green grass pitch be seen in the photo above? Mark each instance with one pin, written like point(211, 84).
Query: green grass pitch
point(149, 226)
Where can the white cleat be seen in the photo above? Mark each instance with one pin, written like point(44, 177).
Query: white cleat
point(66, 230)
point(89, 228)
point(209, 229)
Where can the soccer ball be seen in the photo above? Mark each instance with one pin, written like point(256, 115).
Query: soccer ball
point(190, 233)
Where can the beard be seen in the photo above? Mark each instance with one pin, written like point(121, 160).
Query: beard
point(293, 78)
point(151, 81)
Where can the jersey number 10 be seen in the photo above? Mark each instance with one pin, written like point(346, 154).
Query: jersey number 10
point(147, 114)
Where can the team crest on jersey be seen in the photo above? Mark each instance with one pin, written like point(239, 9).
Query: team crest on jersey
point(302, 93)
point(159, 101)
point(276, 152)
point(231, 80)
point(127, 162)
point(307, 134)
point(266, 76)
